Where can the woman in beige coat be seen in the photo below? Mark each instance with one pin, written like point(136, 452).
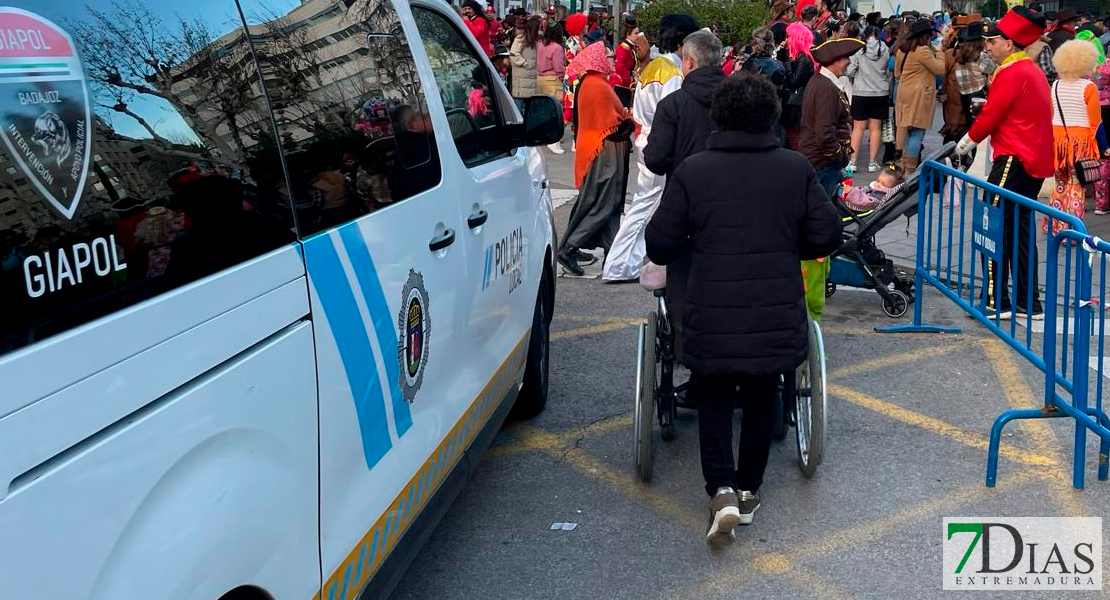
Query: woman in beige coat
point(523, 58)
point(916, 66)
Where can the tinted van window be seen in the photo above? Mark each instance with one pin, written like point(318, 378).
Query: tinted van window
point(354, 125)
point(129, 158)
point(465, 86)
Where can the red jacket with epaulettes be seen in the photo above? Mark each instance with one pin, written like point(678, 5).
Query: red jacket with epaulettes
point(1018, 117)
point(624, 60)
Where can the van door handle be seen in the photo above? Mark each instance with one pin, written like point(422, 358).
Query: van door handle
point(477, 219)
point(442, 240)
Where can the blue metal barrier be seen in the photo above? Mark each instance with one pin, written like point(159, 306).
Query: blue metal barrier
point(954, 242)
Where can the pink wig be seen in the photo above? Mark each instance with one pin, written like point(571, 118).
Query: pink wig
point(799, 39)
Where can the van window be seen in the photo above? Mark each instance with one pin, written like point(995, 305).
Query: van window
point(127, 160)
point(354, 126)
point(464, 83)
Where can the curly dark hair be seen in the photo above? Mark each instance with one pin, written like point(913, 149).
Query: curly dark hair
point(746, 102)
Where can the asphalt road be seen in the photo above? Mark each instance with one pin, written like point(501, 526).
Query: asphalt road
point(909, 417)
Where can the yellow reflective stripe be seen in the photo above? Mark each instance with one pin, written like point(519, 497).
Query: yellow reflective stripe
point(348, 579)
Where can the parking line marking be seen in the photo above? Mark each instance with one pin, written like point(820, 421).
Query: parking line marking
point(624, 483)
point(593, 329)
point(1018, 394)
point(891, 361)
point(856, 534)
point(937, 426)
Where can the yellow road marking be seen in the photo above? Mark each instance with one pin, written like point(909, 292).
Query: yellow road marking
point(891, 361)
point(593, 329)
point(626, 484)
point(786, 564)
point(1018, 395)
point(933, 425)
point(856, 534)
point(620, 421)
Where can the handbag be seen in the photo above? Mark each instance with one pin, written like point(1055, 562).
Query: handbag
point(1087, 170)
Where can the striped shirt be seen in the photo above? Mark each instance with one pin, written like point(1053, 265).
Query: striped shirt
point(1069, 98)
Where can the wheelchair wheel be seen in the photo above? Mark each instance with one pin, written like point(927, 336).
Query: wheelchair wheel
point(644, 411)
point(811, 404)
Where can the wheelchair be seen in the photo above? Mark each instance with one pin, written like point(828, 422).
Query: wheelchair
point(658, 398)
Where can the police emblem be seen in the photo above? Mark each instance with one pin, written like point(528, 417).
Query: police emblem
point(413, 331)
point(45, 122)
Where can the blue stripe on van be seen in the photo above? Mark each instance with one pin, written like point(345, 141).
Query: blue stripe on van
point(372, 293)
point(338, 302)
point(346, 582)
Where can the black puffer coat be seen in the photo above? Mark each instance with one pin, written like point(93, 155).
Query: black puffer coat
point(749, 211)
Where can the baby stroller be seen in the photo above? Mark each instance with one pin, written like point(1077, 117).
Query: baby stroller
point(860, 263)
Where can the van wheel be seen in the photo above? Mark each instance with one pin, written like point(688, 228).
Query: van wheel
point(533, 395)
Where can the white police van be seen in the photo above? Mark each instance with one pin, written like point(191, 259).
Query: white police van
point(272, 272)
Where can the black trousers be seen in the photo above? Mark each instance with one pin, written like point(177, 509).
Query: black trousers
point(1008, 173)
point(717, 396)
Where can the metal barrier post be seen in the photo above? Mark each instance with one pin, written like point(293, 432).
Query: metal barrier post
point(1014, 212)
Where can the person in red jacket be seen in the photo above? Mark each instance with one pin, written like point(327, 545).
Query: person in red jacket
point(476, 22)
point(1018, 119)
point(624, 58)
point(495, 28)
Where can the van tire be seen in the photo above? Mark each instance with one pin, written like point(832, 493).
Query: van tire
point(537, 372)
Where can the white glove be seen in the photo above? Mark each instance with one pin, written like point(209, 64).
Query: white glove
point(965, 145)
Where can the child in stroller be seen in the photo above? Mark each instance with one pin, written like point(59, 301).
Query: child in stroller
point(859, 262)
point(864, 199)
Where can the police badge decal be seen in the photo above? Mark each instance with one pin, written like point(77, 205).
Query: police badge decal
point(414, 329)
point(45, 120)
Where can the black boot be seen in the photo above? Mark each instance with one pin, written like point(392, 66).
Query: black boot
point(567, 258)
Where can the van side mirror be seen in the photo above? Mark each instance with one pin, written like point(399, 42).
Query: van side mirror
point(543, 122)
point(543, 125)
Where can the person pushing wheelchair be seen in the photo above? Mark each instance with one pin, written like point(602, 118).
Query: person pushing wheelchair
point(748, 211)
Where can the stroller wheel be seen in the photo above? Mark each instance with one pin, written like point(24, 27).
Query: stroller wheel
point(830, 289)
point(895, 304)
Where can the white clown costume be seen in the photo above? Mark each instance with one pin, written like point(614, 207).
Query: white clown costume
point(661, 76)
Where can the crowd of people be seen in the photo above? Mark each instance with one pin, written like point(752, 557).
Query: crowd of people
point(740, 150)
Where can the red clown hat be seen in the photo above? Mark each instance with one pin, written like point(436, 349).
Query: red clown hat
point(1021, 25)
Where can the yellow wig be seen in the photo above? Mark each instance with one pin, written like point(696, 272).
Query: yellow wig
point(1075, 59)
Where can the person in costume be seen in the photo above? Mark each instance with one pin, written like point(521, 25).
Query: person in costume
point(917, 65)
point(601, 161)
point(575, 25)
point(660, 78)
point(1102, 83)
point(826, 136)
point(1018, 119)
point(624, 59)
point(826, 140)
point(1076, 125)
point(478, 24)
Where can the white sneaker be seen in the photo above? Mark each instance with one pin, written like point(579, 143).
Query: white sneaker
point(556, 148)
point(872, 167)
point(852, 166)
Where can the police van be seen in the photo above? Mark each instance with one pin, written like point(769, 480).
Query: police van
point(272, 274)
